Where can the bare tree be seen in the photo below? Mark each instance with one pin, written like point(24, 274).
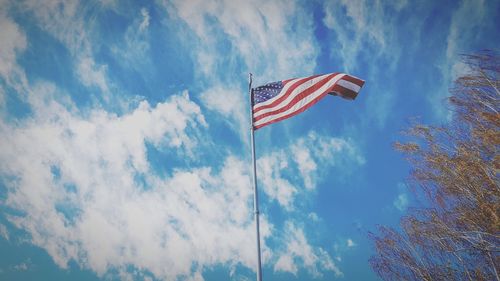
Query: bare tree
point(456, 167)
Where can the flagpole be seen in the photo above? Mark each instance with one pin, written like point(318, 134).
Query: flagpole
point(254, 178)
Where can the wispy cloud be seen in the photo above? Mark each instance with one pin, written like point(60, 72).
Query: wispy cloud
point(65, 21)
point(316, 154)
point(133, 52)
point(366, 37)
point(145, 20)
point(260, 31)
point(401, 201)
point(4, 233)
point(298, 251)
point(350, 243)
point(13, 42)
point(24, 266)
point(468, 17)
point(92, 74)
point(466, 20)
point(273, 182)
point(311, 156)
point(229, 102)
point(361, 27)
point(307, 166)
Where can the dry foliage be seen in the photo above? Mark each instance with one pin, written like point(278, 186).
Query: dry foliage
point(456, 167)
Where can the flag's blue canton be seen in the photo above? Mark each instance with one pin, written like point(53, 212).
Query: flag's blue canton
point(265, 92)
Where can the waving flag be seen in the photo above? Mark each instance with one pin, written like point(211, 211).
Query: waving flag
point(280, 100)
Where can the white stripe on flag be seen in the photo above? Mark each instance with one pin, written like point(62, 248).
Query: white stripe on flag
point(302, 103)
point(349, 85)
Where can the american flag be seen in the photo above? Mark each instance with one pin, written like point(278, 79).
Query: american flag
point(280, 100)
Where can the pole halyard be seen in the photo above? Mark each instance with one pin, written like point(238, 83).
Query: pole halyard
point(254, 177)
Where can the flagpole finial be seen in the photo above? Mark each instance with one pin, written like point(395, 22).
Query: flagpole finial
point(250, 75)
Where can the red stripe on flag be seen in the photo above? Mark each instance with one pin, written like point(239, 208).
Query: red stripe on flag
point(338, 90)
point(354, 80)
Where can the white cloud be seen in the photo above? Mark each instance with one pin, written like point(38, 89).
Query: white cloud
point(366, 29)
point(65, 21)
point(133, 51)
point(12, 42)
point(285, 263)
point(273, 182)
point(2, 98)
point(399, 5)
point(298, 251)
point(350, 243)
point(469, 15)
point(365, 26)
point(145, 20)
point(313, 216)
point(4, 233)
point(401, 201)
point(92, 74)
point(466, 20)
point(307, 166)
point(24, 266)
point(276, 170)
point(229, 102)
point(329, 151)
point(259, 30)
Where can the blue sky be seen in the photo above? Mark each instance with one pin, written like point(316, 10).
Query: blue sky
point(124, 133)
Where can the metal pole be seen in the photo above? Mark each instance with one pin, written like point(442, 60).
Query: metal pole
point(254, 177)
